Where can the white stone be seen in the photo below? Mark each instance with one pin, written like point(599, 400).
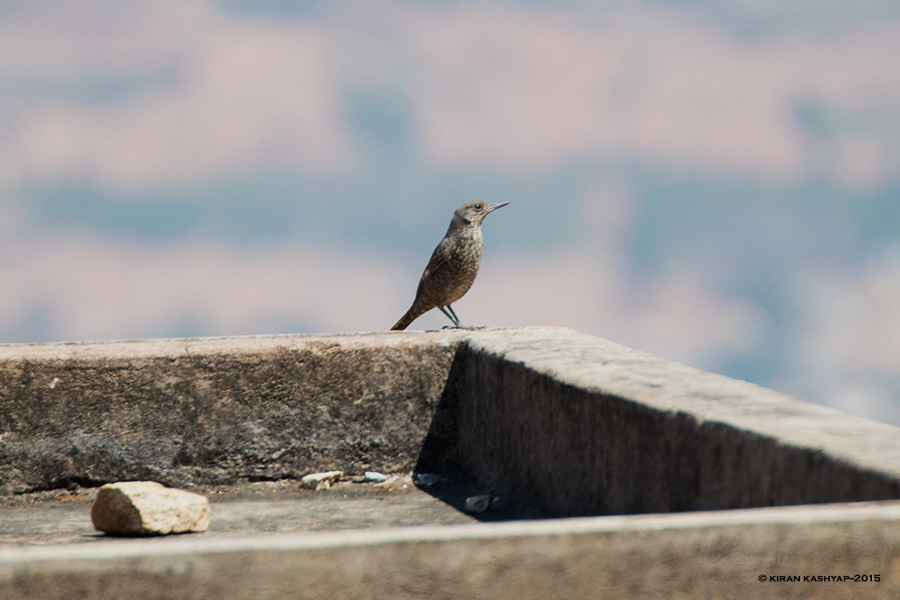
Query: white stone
point(426, 479)
point(148, 508)
point(375, 476)
point(321, 481)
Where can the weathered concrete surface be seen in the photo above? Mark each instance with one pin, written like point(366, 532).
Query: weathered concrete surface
point(554, 420)
point(265, 507)
point(721, 554)
point(583, 426)
point(214, 410)
point(571, 423)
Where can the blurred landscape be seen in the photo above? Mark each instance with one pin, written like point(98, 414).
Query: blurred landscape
point(717, 183)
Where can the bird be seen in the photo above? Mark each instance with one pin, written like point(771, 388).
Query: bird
point(453, 264)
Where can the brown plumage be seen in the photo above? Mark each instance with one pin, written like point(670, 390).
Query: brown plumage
point(453, 265)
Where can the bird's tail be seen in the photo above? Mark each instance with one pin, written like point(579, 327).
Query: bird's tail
point(411, 315)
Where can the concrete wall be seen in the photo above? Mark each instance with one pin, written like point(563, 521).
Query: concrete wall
point(215, 410)
point(573, 423)
point(569, 422)
point(581, 426)
point(721, 554)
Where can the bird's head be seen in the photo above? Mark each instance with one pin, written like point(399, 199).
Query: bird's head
point(474, 212)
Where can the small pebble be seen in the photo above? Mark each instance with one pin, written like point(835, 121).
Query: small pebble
point(478, 504)
point(426, 479)
point(321, 481)
point(375, 476)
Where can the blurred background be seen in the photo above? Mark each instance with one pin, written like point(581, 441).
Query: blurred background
point(714, 182)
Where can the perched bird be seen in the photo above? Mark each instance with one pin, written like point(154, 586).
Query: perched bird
point(453, 265)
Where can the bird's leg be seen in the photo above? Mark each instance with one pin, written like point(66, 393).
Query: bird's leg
point(455, 318)
point(448, 310)
point(456, 324)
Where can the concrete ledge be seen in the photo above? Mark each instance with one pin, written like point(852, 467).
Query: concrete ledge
point(721, 554)
point(559, 422)
point(575, 424)
point(214, 410)
point(582, 426)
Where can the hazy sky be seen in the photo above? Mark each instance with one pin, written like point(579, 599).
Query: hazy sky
point(714, 182)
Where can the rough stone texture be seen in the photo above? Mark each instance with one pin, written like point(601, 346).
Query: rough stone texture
point(148, 508)
point(542, 416)
point(569, 422)
point(214, 410)
point(718, 554)
point(582, 426)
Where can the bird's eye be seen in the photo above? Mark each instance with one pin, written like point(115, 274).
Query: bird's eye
point(478, 206)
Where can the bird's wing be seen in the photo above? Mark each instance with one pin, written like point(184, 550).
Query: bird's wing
point(438, 259)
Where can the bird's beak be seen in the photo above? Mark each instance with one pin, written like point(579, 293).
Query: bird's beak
point(494, 207)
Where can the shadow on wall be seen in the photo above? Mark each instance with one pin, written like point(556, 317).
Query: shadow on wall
point(549, 449)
